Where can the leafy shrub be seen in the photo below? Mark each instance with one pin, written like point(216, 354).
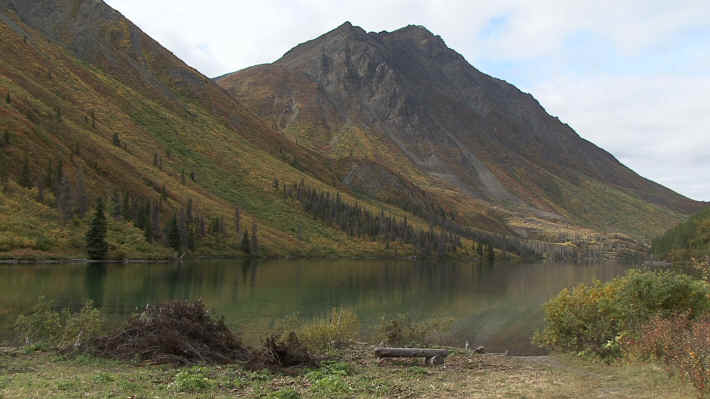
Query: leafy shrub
point(337, 328)
point(402, 330)
point(81, 327)
point(681, 343)
point(190, 380)
point(43, 326)
point(594, 319)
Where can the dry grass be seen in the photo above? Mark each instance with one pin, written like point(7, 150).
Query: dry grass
point(357, 374)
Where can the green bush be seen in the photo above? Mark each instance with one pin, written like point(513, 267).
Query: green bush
point(41, 325)
point(402, 330)
point(337, 328)
point(593, 319)
point(45, 327)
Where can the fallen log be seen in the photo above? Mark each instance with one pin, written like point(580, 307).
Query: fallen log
point(431, 356)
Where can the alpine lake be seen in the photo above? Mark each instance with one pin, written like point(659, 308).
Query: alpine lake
point(498, 306)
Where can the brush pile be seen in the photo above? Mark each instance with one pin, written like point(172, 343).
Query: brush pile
point(277, 354)
point(179, 332)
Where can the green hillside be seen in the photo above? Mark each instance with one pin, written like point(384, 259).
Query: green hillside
point(688, 239)
point(75, 129)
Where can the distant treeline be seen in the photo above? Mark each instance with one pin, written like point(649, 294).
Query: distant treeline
point(357, 221)
point(360, 222)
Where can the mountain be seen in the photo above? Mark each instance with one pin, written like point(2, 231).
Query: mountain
point(405, 101)
point(353, 144)
point(93, 107)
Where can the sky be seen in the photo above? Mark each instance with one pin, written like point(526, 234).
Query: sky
point(631, 76)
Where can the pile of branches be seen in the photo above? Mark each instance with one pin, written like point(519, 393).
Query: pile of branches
point(277, 354)
point(179, 332)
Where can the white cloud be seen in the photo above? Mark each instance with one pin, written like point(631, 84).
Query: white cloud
point(656, 125)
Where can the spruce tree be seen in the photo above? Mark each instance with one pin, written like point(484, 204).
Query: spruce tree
point(96, 245)
point(254, 241)
point(174, 234)
point(80, 197)
point(245, 242)
point(26, 178)
point(7, 98)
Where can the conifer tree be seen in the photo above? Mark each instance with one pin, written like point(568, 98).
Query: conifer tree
point(245, 242)
point(96, 245)
point(26, 178)
point(174, 234)
point(80, 197)
point(254, 241)
point(64, 199)
point(49, 177)
point(7, 98)
point(6, 138)
point(155, 221)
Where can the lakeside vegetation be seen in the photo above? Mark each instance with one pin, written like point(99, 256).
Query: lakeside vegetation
point(648, 328)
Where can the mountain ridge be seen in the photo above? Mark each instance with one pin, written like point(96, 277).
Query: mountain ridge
point(340, 152)
point(403, 87)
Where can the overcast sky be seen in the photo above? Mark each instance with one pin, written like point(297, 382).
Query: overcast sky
point(631, 76)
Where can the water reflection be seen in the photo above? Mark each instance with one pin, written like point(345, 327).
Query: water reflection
point(498, 306)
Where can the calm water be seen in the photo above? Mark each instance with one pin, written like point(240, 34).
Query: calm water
point(497, 306)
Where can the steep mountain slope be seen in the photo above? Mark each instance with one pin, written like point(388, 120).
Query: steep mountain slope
point(94, 107)
point(404, 100)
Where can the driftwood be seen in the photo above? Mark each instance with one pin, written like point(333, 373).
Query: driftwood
point(431, 356)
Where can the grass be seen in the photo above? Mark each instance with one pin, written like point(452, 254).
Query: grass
point(357, 374)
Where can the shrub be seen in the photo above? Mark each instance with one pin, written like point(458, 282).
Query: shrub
point(337, 328)
point(43, 326)
point(402, 330)
point(594, 319)
point(681, 343)
point(81, 327)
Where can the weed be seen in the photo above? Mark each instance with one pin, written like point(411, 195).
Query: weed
point(335, 329)
point(190, 380)
point(102, 378)
point(330, 378)
point(284, 394)
point(402, 330)
point(68, 385)
point(681, 343)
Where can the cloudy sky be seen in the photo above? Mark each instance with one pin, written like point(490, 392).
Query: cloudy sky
point(631, 76)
